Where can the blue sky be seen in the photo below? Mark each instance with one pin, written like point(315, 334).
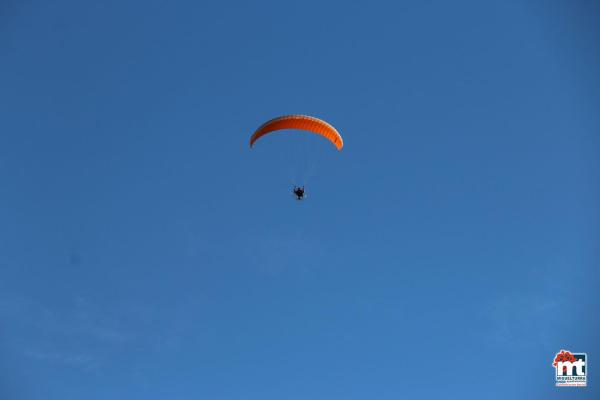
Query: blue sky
point(449, 251)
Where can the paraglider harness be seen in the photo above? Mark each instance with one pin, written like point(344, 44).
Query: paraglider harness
point(299, 192)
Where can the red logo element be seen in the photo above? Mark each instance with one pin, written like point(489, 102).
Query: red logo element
point(564, 356)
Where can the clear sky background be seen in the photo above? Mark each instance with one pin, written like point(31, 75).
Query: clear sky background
point(449, 251)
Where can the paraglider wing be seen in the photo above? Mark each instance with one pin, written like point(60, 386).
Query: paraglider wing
point(300, 122)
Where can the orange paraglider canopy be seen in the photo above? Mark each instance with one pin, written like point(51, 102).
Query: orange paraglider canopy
point(300, 122)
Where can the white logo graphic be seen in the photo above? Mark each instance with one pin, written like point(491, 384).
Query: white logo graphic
point(571, 368)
